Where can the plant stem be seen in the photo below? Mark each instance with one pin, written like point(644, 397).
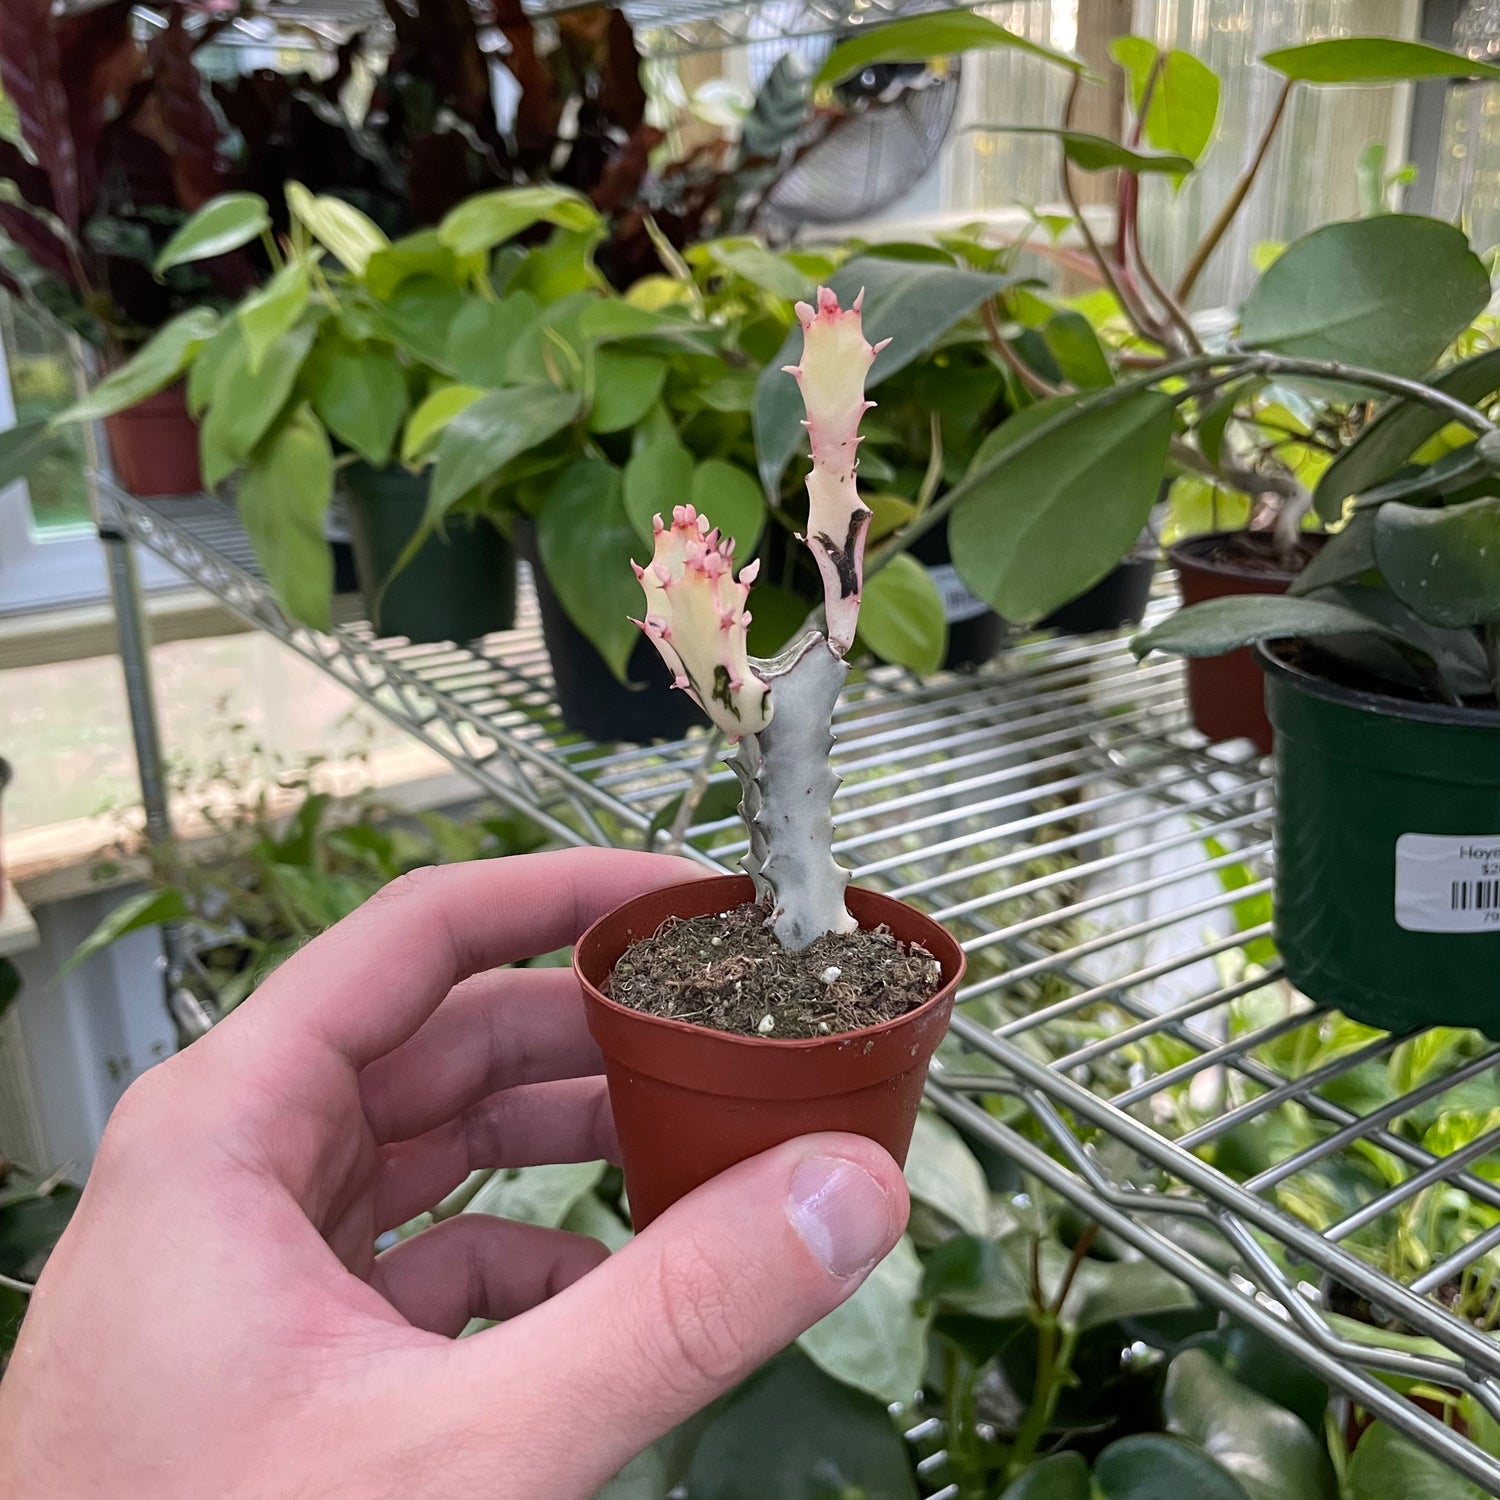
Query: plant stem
point(1220, 226)
point(1036, 384)
point(958, 1417)
point(273, 250)
point(1053, 1359)
point(1144, 324)
point(25, 1288)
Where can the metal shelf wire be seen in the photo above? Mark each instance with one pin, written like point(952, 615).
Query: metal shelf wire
point(1124, 1033)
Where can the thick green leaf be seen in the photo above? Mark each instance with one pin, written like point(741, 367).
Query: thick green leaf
point(420, 316)
point(792, 1432)
point(1389, 293)
point(480, 339)
point(1080, 357)
point(1266, 1447)
point(351, 237)
point(360, 395)
point(433, 415)
point(148, 909)
point(487, 434)
point(1398, 429)
point(626, 386)
point(1184, 103)
point(283, 499)
point(221, 225)
point(1254, 1361)
point(1443, 564)
point(980, 1278)
point(1153, 1466)
point(544, 1196)
point(586, 543)
point(419, 254)
point(761, 267)
point(912, 303)
point(590, 1216)
point(732, 501)
point(1455, 475)
point(944, 1174)
point(1221, 625)
point(207, 363)
point(1097, 153)
point(480, 223)
point(658, 473)
point(901, 616)
point(918, 38)
point(776, 615)
point(1373, 59)
point(1111, 1291)
point(245, 404)
point(1063, 1476)
point(877, 1340)
point(267, 314)
point(1388, 1466)
point(152, 369)
point(1050, 521)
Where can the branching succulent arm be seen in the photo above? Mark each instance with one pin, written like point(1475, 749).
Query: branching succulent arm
point(779, 712)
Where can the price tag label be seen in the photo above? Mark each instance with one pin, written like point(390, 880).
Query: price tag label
point(1448, 884)
point(958, 603)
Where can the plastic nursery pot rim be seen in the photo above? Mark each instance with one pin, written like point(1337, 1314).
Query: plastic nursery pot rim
point(599, 949)
point(1192, 553)
point(1387, 705)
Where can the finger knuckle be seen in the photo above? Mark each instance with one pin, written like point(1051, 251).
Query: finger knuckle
point(705, 1322)
point(404, 887)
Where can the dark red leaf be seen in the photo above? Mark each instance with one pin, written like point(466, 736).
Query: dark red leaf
point(198, 169)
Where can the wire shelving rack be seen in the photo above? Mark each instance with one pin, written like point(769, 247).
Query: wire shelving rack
point(1124, 1029)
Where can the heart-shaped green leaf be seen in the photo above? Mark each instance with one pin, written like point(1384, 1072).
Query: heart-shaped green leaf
point(270, 312)
point(1184, 104)
point(152, 369)
point(283, 499)
point(221, 225)
point(480, 223)
point(901, 615)
point(360, 395)
point(917, 38)
point(1045, 516)
point(586, 544)
point(350, 236)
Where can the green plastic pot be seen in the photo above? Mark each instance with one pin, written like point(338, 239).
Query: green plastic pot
point(1387, 851)
point(460, 585)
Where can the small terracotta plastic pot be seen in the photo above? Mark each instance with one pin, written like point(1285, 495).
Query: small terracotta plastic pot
point(153, 445)
point(1226, 695)
point(690, 1102)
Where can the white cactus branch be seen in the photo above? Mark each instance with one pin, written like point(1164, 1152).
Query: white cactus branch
point(779, 712)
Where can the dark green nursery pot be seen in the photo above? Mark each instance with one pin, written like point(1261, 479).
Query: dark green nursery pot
point(460, 585)
point(1387, 851)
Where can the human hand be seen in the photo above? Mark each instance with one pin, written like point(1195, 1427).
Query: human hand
point(215, 1324)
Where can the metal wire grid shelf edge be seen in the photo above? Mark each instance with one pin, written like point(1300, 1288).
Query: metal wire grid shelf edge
point(1107, 877)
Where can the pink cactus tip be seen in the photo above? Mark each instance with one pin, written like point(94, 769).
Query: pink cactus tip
point(696, 618)
point(831, 375)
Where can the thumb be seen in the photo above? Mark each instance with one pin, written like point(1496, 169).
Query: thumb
point(706, 1294)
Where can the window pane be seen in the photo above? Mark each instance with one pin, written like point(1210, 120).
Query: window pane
point(41, 382)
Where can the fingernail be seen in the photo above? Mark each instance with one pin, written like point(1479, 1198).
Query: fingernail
point(842, 1214)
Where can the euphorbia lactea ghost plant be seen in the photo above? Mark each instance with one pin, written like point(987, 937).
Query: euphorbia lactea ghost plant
point(778, 713)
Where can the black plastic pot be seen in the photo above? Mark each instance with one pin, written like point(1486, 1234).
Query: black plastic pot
point(975, 632)
point(593, 701)
point(1387, 850)
point(459, 586)
point(1117, 600)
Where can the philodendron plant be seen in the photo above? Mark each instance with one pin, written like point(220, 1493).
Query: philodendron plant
point(778, 712)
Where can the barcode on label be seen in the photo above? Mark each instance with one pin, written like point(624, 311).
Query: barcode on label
point(1476, 895)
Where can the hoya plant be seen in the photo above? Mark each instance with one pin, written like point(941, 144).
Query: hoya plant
point(1122, 391)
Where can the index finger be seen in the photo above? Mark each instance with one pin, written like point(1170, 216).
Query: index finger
point(367, 984)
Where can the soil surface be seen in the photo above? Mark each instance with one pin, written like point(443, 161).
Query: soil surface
point(729, 973)
point(1253, 552)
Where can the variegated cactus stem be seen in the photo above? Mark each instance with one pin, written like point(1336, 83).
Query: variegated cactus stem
point(836, 356)
point(696, 618)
